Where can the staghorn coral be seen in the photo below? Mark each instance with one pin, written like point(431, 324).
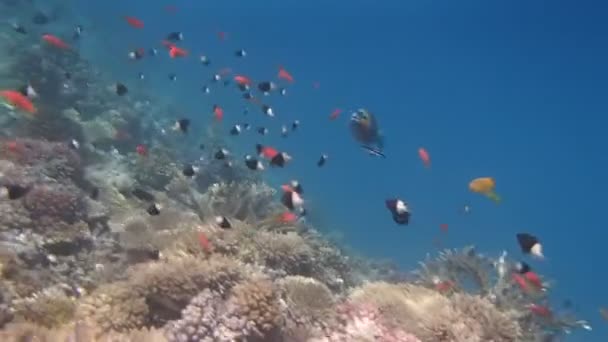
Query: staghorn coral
point(49, 308)
point(309, 304)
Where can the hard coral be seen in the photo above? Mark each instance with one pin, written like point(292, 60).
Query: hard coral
point(246, 201)
point(309, 304)
point(154, 293)
point(251, 313)
point(114, 307)
point(78, 332)
point(53, 159)
point(57, 202)
point(434, 317)
point(363, 323)
point(50, 308)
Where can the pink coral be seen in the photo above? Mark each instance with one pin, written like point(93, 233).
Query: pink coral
point(362, 322)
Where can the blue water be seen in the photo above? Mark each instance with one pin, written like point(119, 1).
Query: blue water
point(515, 90)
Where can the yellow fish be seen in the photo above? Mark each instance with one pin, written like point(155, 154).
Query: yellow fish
point(485, 186)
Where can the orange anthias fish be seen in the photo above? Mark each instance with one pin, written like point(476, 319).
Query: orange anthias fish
point(15, 98)
point(443, 227)
point(540, 310)
point(283, 74)
point(141, 150)
point(242, 80)
point(424, 156)
point(335, 114)
point(221, 35)
point(175, 52)
point(604, 313)
point(54, 41)
point(204, 242)
point(134, 22)
point(485, 186)
point(267, 152)
point(287, 217)
point(218, 112)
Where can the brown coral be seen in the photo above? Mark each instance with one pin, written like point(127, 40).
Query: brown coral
point(63, 203)
point(49, 309)
point(309, 303)
point(114, 307)
point(78, 332)
point(156, 292)
point(254, 309)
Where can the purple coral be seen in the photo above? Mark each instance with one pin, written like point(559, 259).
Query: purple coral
point(58, 202)
point(55, 160)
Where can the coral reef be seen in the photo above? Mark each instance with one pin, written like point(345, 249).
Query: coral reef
point(250, 313)
point(81, 259)
point(154, 293)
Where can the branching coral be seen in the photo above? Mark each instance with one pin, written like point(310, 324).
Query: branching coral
point(114, 307)
point(251, 313)
point(246, 201)
point(466, 268)
point(50, 308)
point(156, 292)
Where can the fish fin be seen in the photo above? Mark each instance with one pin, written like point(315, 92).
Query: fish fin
point(494, 197)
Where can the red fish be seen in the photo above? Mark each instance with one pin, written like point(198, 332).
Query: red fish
point(18, 100)
point(204, 242)
point(221, 35)
point(316, 84)
point(424, 156)
point(287, 217)
point(335, 114)
point(533, 279)
point(54, 41)
point(443, 227)
point(218, 112)
point(174, 52)
point(171, 9)
point(283, 74)
point(134, 22)
point(242, 80)
point(540, 310)
point(521, 281)
point(444, 286)
point(267, 152)
point(141, 150)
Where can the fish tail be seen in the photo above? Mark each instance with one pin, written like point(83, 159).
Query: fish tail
point(494, 196)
